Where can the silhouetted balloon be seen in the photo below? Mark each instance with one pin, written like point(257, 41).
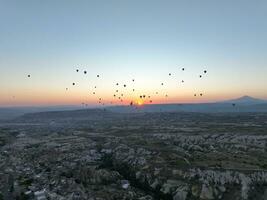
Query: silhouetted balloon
point(233, 104)
point(29, 75)
point(149, 98)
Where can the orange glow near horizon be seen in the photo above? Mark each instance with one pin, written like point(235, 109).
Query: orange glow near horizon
point(35, 95)
point(33, 98)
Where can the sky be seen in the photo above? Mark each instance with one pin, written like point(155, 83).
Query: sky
point(123, 40)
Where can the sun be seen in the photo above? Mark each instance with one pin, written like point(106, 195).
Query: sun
point(140, 102)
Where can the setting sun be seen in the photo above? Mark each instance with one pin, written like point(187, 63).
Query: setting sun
point(140, 102)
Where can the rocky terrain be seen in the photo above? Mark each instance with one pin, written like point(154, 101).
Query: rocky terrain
point(100, 155)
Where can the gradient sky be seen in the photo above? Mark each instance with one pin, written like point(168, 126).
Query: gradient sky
point(140, 39)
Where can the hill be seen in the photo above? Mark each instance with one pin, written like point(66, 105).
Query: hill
point(242, 104)
point(246, 100)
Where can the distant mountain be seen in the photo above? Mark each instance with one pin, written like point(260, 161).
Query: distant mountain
point(202, 108)
point(242, 104)
point(67, 115)
point(245, 100)
point(12, 112)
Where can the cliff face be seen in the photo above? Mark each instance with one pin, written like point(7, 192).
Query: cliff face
point(162, 182)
